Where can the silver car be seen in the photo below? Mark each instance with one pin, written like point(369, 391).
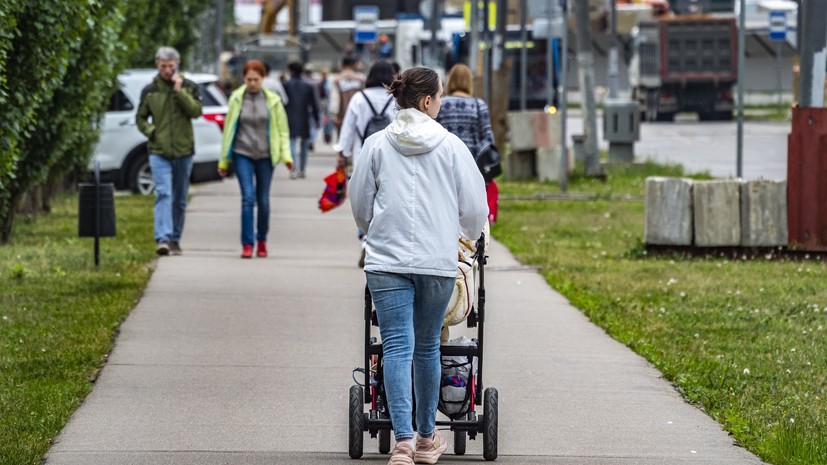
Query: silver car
point(122, 150)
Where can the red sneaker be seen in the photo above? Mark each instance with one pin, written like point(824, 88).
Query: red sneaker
point(261, 249)
point(247, 252)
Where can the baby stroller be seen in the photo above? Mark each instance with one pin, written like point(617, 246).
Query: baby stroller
point(460, 394)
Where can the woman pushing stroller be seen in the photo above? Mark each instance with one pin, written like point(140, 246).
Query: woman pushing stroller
point(415, 190)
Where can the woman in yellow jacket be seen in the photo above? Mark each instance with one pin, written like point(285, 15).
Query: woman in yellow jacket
point(256, 139)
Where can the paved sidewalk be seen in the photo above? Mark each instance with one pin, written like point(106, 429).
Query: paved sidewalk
point(230, 361)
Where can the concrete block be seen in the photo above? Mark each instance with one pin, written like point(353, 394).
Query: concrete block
point(668, 211)
point(535, 146)
point(764, 213)
point(717, 213)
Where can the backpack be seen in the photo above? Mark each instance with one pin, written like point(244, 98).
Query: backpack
point(378, 121)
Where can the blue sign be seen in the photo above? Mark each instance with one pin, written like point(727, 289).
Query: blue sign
point(366, 31)
point(778, 25)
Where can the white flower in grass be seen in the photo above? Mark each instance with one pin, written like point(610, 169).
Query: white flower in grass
point(683, 294)
point(746, 371)
point(697, 335)
point(792, 350)
point(671, 281)
point(792, 420)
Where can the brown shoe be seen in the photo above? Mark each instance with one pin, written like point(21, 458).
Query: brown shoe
point(403, 454)
point(428, 450)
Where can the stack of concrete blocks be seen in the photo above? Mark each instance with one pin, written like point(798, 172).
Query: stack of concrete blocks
point(535, 146)
point(732, 213)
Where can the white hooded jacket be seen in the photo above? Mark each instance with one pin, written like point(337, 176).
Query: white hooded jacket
point(416, 190)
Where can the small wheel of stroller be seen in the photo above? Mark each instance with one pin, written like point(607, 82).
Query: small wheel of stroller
point(384, 441)
point(489, 424)
point(356, 428)
point(459, 441)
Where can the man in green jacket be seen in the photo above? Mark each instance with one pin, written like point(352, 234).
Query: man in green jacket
point(170, 102)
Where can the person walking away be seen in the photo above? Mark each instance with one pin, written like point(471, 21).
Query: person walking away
point(302, 112)
point(311, 79)
point(165, 113)
point(415, 189)
point(273, 83)
point(256, 139)
point(369, 109)
point(469, 119)
point(345, 86)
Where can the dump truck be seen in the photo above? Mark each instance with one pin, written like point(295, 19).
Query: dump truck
point(684, 63)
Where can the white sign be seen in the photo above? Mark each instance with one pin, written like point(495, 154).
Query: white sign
point(778, 25)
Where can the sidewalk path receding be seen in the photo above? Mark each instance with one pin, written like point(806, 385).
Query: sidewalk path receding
point(231, 361)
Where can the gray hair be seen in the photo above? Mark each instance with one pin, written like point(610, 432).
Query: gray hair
point(167, 53)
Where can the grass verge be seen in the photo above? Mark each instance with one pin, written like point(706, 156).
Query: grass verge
point(58, 315)
point(743, 339)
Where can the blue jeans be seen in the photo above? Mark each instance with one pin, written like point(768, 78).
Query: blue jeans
point(410, 309)
point(172, 181)
point(300, 161)
point(254, 177)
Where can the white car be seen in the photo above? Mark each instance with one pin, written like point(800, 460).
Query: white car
point(122, 150)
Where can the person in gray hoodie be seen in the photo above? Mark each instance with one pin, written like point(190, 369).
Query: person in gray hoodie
point(416, 190)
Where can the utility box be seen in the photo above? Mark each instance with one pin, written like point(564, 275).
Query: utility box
point(621, 128)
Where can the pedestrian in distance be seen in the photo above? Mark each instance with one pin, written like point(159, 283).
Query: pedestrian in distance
point(345, 85)
point(256, 139)
point(369, 110)
point(415, 190)
point(165, 113)
point(302, 112)
point(273, 83)
point(468, 117)
point(318, 93)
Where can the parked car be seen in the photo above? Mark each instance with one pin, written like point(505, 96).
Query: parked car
point(122, 149)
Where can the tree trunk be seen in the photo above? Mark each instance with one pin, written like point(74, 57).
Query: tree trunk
point(7, 222)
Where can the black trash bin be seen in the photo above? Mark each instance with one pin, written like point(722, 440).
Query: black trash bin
point(88, 202)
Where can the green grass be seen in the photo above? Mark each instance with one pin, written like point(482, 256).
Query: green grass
point(58, 315)
point(744, 339)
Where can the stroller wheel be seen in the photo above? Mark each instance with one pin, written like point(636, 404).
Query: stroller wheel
point(356, 428)
point(489, 424)
point(459, 441)
point(384, 441)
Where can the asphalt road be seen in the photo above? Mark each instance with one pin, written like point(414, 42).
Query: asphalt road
point(708, 146)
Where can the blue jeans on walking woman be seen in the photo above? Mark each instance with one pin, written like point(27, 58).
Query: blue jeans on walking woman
point(172, 181)
point(410, 309)
point(254, 178)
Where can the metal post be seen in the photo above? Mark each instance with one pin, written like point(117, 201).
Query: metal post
point(435, 20)
point(564, 79)
point(778, 70)
point(524, 55)
point(739, 165)
point(614, 71)
point(585, 61)
point(550, 55)
point(97, 213)
point(219, 35)
point(499, 35)
point(813, 54)
point(486, 57)
point(474, 46)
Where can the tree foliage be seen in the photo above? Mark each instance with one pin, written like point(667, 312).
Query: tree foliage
point(59, 60)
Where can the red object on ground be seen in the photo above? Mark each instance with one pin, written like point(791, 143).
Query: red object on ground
point(492, 192)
